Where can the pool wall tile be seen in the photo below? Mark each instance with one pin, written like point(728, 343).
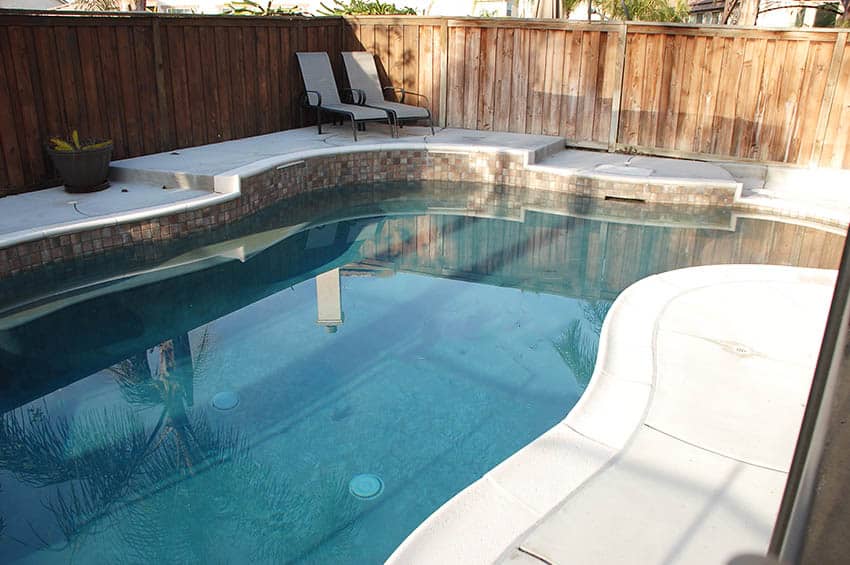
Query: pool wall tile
point(262, 189)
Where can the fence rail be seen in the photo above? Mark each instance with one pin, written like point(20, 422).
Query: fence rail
point(155, 83)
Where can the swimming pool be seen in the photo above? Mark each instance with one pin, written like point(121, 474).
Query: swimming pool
point(218, 400)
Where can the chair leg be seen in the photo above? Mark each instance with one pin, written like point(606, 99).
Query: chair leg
point(354, 128)
point(431, 123)
point(319, 119)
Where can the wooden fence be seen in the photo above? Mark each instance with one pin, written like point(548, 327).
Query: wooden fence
point(155, 83)
point(151, 83)
point(726, 92)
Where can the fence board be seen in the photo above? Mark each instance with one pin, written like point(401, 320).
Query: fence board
point(455, 72)
point(554, 82)
point(27, 116)
point(836, 152)
point(471, 77)
point(570, 88)
point(519, 83)
point(486, 78)
point(503, 79)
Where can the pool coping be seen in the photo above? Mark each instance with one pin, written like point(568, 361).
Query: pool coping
point(488, 520)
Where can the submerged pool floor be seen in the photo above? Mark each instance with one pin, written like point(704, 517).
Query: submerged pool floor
point(217, 411)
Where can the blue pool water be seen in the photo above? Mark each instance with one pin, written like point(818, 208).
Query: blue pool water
point(215, 405)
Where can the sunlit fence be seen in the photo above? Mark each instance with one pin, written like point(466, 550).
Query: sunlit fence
point(154, 83)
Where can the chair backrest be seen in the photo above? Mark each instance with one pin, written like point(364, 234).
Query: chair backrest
point(363, 74)
point(319, 76)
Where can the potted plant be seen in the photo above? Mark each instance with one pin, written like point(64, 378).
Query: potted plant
point(83, 165)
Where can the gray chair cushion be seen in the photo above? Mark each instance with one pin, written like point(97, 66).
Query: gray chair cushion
point(319, 76)
point(363, 74)
point(360, 112)
point(403, 111)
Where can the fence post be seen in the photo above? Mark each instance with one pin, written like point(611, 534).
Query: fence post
point(617, 95)
point(444, 71)
point(161, 96)
point(828, 98)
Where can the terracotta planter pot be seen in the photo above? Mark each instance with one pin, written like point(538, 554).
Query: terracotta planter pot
point(83, 171)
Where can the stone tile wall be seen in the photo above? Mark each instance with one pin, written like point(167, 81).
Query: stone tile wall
point(271, 186)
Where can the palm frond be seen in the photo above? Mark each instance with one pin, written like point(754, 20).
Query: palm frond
point(595, 312)
point(578, 352)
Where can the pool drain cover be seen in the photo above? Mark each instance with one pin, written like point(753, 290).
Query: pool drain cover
point(366, 486)
point(225, 400)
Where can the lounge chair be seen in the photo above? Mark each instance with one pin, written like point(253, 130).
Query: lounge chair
point(363, 78)
point(322, 94)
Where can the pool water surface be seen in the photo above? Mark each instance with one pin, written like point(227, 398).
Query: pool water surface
point(313, 390)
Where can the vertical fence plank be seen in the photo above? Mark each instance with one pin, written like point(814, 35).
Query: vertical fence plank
point(725, 108)
point(29, 136)
point(828, 97)
point(632, 89)
point(472, 66)
point(695, 51)
point(554, 82)
point(519, 80)
point(715, 52)
point(812, 88)
point(146, 91)
point(651, 90)
point(769, 112)
point(52, 112)
point(605, 87)
point(165, 125)
point(424, 69)
point(504, 78)
point(289, 89)
point(13, 168)
point(179, 84)
point(743, 130)
point(225, 82)
point(114, 107)
point(536, 82)
point(441, 71)
point(570, 87)
point(395, 43)
point(456, 68)
point(836, 148)
point(410, 58)
point(487, 79)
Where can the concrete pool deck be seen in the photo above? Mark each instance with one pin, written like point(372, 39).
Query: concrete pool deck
point(200, 177)
point(647, 468)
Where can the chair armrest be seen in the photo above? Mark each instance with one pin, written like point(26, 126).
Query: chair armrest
point(306, 98)
point(406, 93)
point(360, 99)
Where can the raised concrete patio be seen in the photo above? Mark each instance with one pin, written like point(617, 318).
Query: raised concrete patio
point(197, 177)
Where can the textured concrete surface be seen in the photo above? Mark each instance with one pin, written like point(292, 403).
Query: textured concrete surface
point(679, 449)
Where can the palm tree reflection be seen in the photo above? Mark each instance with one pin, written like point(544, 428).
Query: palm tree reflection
point(121, 473)
point(2, 521)
point(579, 343)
